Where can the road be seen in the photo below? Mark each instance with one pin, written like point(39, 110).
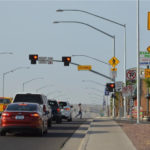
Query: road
point(57, 136)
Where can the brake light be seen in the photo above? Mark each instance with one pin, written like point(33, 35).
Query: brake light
point(22, 104)
point(5, 114)
point(4, 107)
point(67, 109)
point(34, 115)
point(58, 110)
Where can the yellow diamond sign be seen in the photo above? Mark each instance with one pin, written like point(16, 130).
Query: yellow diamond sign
point(114, 61)
point(148, 49)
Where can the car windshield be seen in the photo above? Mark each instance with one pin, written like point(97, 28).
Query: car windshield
point(30, 98)
point(5, 101)
point(62, 104)
point(21, 107)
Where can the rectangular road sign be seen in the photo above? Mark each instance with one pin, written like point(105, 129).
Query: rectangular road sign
point(113, 69)
point(118, 86)
point(148, 21)
point(147, 73)
point(144, 54)
point(144, 58)
point(45, 60)
point(84, 67)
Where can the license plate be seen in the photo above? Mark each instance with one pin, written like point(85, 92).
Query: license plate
point(19, 117)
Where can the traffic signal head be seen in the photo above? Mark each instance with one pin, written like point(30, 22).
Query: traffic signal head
point(33, 58)
point(110, 87)
point(66, 60)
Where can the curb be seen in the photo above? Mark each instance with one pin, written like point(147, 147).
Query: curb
point(75, 141)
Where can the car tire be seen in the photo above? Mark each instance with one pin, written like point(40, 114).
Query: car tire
point(40, 132)
point(3, 133)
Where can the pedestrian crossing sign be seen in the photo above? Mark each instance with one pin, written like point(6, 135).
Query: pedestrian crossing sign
point(113, 62)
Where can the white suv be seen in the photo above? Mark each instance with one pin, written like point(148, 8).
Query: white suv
point(66, 110)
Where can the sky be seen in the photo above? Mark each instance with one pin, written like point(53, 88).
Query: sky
point(27, 28)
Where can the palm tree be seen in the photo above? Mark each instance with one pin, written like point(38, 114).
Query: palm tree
point(147, 81)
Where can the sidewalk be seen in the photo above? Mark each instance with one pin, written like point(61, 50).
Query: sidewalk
point(106, 134)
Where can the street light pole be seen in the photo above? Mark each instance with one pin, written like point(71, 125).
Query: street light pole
point(43, 87)
point(78, 22)
point(23, 84)
point(52, 92)
point(138, 57)
point(93, 82)
point(6, 53)
point(92, 58)
point(111, 36)
point(117, 23)
point(3, 89)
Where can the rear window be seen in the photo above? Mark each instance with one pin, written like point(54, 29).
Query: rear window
point(29, 98)
point(52, 103)
point(62, 104)
point(5, 101)
point(21, 107)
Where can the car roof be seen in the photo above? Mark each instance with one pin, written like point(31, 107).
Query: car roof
point(25, 103)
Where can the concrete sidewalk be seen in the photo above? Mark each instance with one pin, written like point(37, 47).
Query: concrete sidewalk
point(106, 134)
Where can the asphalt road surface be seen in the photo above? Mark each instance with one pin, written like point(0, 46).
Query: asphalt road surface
point(57, 136)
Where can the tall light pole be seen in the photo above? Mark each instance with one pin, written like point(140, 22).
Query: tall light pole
point(6, 53)
point(92, 58)
point(138, 58)
point(43, 87)
point(95, 90)
point(23, 84)
point(93, 82)
point(57, 91)
point(114, 22)
point(101, 31)
point(107, 34)
point(5, 73)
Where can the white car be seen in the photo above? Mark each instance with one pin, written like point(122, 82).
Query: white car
point(66, 110)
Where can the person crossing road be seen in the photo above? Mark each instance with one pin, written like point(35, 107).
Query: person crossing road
point(80, 111)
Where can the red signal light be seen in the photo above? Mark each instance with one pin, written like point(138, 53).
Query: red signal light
point(35, 57)
point(112, 85)
point(68, 59)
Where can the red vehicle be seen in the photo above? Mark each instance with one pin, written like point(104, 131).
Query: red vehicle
point(24, 117)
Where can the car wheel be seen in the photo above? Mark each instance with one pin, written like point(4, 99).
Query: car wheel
point(40, 133)
point(3, 133)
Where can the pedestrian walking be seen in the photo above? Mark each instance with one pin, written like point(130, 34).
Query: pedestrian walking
point(80, 111)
